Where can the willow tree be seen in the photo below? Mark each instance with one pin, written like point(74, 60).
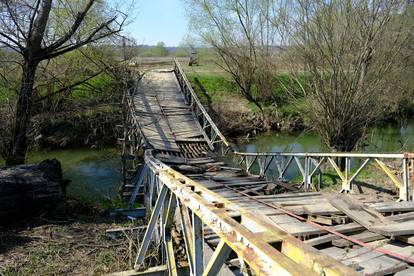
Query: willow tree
point(40, 30)
point(347, 48)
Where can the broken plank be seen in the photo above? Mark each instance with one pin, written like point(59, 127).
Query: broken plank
point(394, 229)
point(365, 236)
point(357, 211)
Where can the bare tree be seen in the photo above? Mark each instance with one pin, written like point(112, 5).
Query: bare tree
point(42, 30)
point(228, 26)
point(347, 48)
point(243, 38)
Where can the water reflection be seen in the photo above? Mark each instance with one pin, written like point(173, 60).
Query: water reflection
point(385, 138)
point(94, 173)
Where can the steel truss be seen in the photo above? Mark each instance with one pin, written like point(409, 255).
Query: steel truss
point(265, 248)
point(310, 165)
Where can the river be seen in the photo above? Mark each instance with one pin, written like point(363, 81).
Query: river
point(388, 137)
point(95, 174)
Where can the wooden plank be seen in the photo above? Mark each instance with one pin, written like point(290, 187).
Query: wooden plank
point(394, 229)
point(406, 272)
point(370, 218)
point(357, 211)
point(365, 236)
point(389, 207)
point(321, 240)
point(381, 265)
point(354, 227)
point(366, 261)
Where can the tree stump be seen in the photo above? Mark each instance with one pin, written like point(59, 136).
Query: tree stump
point(26, 189)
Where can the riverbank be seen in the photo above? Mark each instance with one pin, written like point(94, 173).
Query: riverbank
point(68, 240)
point(281, 112)
point(88, 126)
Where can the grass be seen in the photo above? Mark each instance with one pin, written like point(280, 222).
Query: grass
point(73, 245)
point(216, 86)
point(220, 86)
point(6, 94)
point(94, 88)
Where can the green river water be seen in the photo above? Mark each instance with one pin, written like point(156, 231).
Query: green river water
point(95, 174)
point(386, 138)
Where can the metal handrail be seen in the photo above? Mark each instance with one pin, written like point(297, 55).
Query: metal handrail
point(214, 135)
point(195, 206)
point(310, 165)
point(331, 154)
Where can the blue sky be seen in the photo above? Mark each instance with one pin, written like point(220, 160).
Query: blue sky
point(158, 20)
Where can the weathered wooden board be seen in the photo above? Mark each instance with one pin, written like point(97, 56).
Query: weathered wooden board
point(370, 218)
point(365, 236)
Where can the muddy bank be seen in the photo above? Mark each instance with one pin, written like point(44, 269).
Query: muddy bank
point(86, 127)
point(235, 119)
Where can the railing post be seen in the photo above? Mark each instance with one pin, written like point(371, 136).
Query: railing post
point(198, 245)
point(404, 195)
point(410, 174)
point(306, 174)
point(346, 183)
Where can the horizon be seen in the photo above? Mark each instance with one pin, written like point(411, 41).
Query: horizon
point(158, 21)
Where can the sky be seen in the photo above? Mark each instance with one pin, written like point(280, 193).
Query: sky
point(158, 20)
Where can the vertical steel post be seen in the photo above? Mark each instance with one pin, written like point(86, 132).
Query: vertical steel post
point(306, 174)
point(404, 194)
point(198, 245)
point(320, 181)
point(346, 183)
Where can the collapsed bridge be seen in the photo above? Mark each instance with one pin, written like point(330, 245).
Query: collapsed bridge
point(236, 220)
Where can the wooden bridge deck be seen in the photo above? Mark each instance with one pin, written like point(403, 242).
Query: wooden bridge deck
point(166, 121)
point(177, 138)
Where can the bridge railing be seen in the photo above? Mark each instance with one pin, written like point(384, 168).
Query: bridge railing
point(267, 249)
point(275, 165)
point(213, 135)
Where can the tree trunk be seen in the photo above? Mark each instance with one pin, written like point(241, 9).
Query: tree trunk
point(28, 188)
point(17, 154)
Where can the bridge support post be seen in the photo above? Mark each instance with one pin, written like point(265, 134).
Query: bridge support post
point(151, 226)
point(404, 194)
point(198, 245)
point(346, 181)
point(219, 257)
point(306, 175)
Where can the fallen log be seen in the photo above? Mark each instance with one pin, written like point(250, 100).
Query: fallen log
point(26, 189)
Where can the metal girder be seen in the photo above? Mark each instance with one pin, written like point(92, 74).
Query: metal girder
point(198, 256)
point(402, 183)
point(252, 239)
point(151, 225)
point(187, 230)
point(219, 257)
point(138, 183)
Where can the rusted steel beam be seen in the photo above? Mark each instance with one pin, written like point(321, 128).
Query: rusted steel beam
point(252, 237)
